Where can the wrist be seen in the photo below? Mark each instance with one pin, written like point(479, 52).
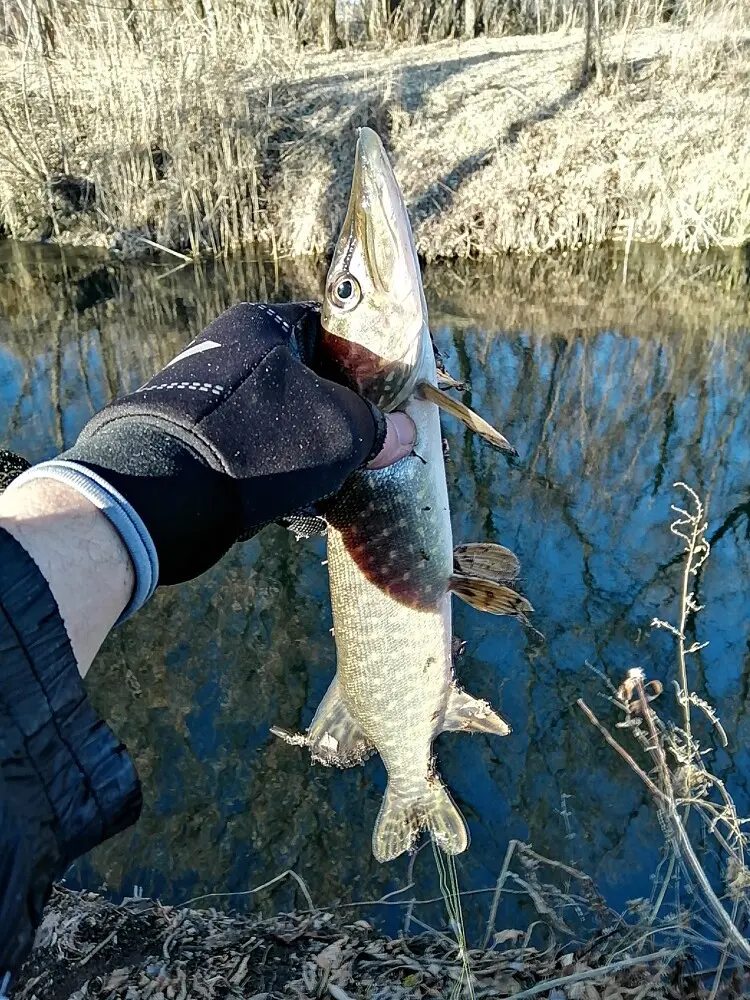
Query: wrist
point(78, 552)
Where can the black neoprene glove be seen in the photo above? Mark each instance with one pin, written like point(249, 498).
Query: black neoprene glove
point(237, 431)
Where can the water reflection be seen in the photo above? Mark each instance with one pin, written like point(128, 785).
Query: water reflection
point(609, 392)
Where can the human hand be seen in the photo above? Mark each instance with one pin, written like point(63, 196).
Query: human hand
point(237, 431)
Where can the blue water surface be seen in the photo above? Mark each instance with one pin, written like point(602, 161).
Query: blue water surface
point(608, 405)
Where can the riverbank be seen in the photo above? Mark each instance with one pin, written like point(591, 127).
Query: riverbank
point(140, 949)
point(497, 145)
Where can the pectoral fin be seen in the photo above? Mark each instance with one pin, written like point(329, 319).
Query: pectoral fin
point(488, 561)
point(487, 595)
point(466, 714)
point(334, 738)
point(447, 381)
point(472, 420)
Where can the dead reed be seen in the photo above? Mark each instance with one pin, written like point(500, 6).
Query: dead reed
point(206, 127)
point(89, 946)
point(693, 804)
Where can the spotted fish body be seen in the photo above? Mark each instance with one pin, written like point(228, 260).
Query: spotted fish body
point(390, 547)
point(390, 559)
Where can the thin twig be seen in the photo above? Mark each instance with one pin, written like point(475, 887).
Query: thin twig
point(654, 789)
point(605, 970)
point(102, 944)
point(249, 892)
point(498, 889)
point(160, 246)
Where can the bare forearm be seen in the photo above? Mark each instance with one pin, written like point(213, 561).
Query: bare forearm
point(80, 555)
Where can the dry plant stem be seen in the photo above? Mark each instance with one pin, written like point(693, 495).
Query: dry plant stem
point(663, 890)
point(697, 551)
point(160, 246)
point(568, 869)
point(501, 879)
point(654, 789)
point(722, 961)
point(24, 86)
point(669, 804)
point(102, 944)
point(30, 170)
point(605, 970)
point(656, 747)
point(692, 542)
point(682, 840)
point(289, 873)
point(410, 885)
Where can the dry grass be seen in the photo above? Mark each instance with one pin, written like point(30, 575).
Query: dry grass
point(207, 138)
point(88, 946)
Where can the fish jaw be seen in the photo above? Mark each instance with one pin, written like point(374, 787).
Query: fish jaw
point(374, 315)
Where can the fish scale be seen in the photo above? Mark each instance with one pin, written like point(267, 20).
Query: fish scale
point(393, 636)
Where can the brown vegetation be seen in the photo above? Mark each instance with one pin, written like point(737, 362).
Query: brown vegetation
point(209, 125)
point(694, 804)
point(89, 947)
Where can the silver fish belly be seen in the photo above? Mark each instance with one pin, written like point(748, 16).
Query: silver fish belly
point(390, 559)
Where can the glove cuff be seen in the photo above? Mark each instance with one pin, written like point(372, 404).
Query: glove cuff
point(191, 513)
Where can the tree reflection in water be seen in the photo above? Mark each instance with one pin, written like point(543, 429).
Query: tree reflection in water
point(609, 392)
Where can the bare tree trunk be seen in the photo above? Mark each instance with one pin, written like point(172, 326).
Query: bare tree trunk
point(591, 67)
point(470, 18)
point(328, 26)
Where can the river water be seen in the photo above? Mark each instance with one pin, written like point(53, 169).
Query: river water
point(611, 390)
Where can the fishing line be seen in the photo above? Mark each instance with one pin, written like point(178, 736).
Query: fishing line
point(448, 879)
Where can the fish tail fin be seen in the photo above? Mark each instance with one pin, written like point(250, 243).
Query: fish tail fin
point(402, 817)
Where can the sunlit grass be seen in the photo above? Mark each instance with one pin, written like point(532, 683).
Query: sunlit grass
point(208, 134)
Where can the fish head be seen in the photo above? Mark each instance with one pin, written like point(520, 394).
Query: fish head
point(374, 316)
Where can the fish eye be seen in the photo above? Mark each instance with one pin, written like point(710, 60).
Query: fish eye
point(345, 292)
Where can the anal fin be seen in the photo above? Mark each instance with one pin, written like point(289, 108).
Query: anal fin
point(486, 560)
point(334, 738)
point(430, 392)
point(466, 714)
point(488, 595)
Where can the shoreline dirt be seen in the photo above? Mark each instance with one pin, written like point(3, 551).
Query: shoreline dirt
point(496, 146)
point(142, 950)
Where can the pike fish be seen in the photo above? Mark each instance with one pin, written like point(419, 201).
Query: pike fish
point(391, 561)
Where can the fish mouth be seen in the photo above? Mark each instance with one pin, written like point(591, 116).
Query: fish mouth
point(378, 335)
point(377, 215)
